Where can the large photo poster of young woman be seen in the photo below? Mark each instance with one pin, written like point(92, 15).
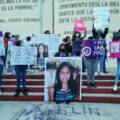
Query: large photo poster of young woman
point(63, 77)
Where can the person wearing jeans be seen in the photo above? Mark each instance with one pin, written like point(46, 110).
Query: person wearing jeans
point(21, 69)
point(1, 70)
point(117, 75)
point(101, 59)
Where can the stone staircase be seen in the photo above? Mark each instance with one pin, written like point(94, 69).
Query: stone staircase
point(35, 85)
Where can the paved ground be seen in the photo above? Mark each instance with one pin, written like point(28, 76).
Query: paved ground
point(51, 111)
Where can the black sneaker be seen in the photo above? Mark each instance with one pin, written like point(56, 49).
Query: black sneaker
point(88, 85)
point(57, 102)
point(25, 92)
point(93, 85)
point(17, 93)
point(67, 102)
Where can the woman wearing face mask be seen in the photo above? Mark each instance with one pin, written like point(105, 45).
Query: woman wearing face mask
point(62, 51)
point(77, 42)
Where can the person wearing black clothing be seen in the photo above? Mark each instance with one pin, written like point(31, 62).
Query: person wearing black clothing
point(99, 35)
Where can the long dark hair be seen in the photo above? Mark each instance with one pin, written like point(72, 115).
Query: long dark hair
point(44, 53)
point(72, 85)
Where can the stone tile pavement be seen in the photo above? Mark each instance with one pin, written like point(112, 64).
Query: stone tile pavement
point(51, 111)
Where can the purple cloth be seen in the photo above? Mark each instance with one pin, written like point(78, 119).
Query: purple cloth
point(118, 59)
point(13, 40)
point(1, 34)
point(62, 54)
point(92, 48)
point(1, 61)
point(76, 46)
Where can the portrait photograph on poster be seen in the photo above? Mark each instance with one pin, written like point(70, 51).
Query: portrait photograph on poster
point(42, 53)
point(63, 78)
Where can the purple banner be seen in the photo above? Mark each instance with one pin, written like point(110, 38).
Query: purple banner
point(92, 48)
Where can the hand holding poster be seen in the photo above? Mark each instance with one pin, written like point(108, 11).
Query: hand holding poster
point(114, 49)
point(23, 55)
point(92, 48)
point(79, 25)
point(101, 16)
point(63, 77)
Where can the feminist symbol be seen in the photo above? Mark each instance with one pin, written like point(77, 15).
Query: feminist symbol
point(86, 51)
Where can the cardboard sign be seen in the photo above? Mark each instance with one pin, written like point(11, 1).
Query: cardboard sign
point(92, 48)
point(79, 25)
point(114, 49)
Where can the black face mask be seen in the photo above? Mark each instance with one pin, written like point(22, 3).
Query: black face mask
point(62, 50)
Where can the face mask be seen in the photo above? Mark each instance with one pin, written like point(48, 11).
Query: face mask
point(62, 50)
point(77, 34)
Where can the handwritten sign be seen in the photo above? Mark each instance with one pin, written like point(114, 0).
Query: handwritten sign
point(101, 17)
point(52, 41)
point(114, 49)
point(79, 25)
point(2, 48)
point(92, 48)
point(23, 55)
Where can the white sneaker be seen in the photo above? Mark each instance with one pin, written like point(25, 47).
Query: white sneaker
point(115, 88)
point(96, 73)
point(102, 73)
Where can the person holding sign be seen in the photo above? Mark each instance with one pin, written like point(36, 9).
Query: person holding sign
point(20, 70)
point(100, 36)
point(77, 42)
point(65, 88)
point(91, 64)
point(1, 70)
point(116, 38)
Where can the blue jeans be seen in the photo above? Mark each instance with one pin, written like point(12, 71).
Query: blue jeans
point(21, 73)
point(118, 72)
point(1, 70)
point(101, 59)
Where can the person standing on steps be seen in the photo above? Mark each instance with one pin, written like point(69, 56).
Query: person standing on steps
point(21, 71)
point(99, 35)
point(118, 68)
point(91, 64)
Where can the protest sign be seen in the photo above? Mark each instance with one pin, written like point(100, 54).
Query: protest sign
point(101, 16)
point(2, 48)
point(23, 55)
point(114, 49)
point(51, 40)
point(92, 48)
point(55, 75)
point(79, 25)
